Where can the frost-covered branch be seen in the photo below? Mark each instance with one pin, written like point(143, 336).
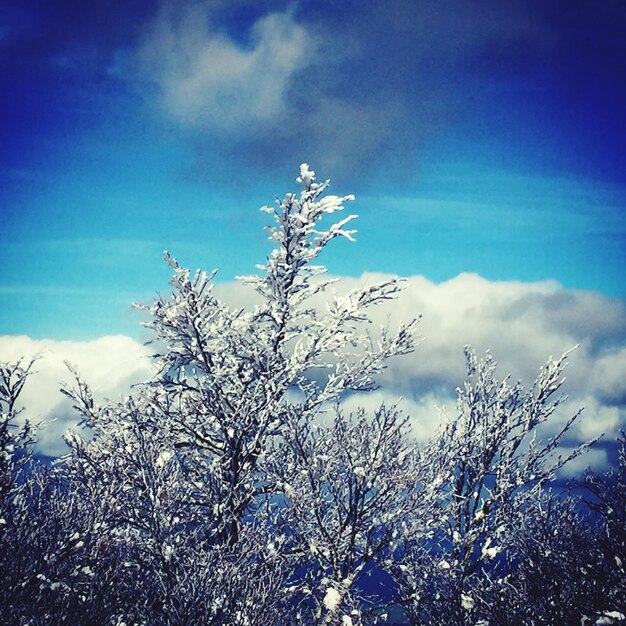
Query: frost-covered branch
point(492, 465)
point(227, 374)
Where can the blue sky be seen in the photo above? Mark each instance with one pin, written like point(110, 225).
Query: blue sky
point(483, 137)
point(484, 141)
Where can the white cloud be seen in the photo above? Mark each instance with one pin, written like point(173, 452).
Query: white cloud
point(608, 379)
point(521, 323)
point(425, 413)
point(110, 365)
point(209, 80)
point(598, 420)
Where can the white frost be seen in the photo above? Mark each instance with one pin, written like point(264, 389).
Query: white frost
point(163, 458)
point(331, 599)
point(467, 602)
point(610, 617)
point(307, 176)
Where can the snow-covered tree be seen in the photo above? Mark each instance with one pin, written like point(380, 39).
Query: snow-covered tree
point(235, 489)
point(15, 438)
point(226, 374)
point(348, 487)
point(192, 452)
point(557, 571)
point(608, 502)
point(492, 464)
point(171, 566)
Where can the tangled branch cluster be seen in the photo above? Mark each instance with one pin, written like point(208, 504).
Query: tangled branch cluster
point(234, 488)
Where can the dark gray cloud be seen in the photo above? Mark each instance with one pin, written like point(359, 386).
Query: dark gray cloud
point(344, 84)
point(335, 83)
point(370, 82)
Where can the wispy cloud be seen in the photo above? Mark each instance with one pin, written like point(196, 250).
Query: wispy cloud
point(340, 84)
point(208, 80)
point(534, 206)
point(88, 251)
point(47, 290)
point(103, 252)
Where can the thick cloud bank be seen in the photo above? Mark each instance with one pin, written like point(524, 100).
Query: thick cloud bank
point(521, 323)
point(109, 364)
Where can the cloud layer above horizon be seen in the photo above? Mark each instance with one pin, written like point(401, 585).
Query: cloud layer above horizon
point(520, 323)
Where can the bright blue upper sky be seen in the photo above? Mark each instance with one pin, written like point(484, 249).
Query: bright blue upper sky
point(486, 137)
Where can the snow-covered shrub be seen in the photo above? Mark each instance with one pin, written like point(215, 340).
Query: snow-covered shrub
point(234, 489)
point(490, 468)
